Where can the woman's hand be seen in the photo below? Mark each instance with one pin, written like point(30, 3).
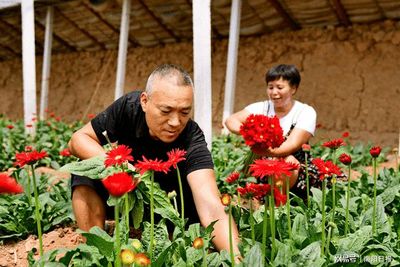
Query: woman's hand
point(261, 150)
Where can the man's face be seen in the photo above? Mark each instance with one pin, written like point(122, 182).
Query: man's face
point(167, 109)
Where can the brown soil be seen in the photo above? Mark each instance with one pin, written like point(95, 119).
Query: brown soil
point(15, 253)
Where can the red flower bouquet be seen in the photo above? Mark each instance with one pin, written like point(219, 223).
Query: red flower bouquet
point(262, 131)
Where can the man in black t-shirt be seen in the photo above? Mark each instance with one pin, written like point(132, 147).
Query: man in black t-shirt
point(152, 123)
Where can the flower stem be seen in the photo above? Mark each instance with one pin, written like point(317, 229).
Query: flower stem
point(333, 198)
point(117, 236)
point(204, 262)
point(288, 208)
point(253, 236)
point(29, 193)
point(126, 204)
point(328, 239)
point(333, 208)
point(272, 216)
point(175, 204)
point(230, 236)
point(264, 234)
point(374, 207)
point(346, 224)
point(37, 212)
point(323, 216)
point(182, 199)
point(151, 216)
point(307, 181)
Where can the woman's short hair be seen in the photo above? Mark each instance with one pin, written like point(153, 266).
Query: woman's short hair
point(287, 72)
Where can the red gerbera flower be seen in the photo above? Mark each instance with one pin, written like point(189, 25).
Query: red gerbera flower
point(326, 168)
point(8, 185)
point(175, 156)
point(280, 199)
point(118, 156)
point(252, 190)
point(345, 159)
point(118, 184)
point(152, 165)
point(29, 158)
point(375, 151)
point(65, 152)
point(10, 126)
point(262, 131)
point(270, 167)
point(232, 177)
point(334, 143)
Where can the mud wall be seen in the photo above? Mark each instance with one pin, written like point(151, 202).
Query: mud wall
point(351, 76)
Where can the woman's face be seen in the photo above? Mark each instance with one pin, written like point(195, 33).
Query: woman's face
point(281, 93)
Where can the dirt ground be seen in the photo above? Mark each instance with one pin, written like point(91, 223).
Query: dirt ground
point(15, 253)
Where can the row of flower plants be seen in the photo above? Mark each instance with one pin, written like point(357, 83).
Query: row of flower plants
point(354, 222)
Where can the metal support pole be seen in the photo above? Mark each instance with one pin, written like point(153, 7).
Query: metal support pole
point(231, 65)
point(202, 66)
point(48, 41)
point(122, 49)
point(28, 63)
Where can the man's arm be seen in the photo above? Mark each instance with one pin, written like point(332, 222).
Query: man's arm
point(209, 207)
point(84, 143)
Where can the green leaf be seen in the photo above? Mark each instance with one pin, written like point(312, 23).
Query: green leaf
point(299, 229)
point(382, 223)
point(162, 203)
point(138, 210)
point(193, 255)
point(311, 255)
point(93, 168)
point(213, 259)
point(161, 240)
point(163, 256)
point(194, 231)
point(389, 194)
point(317, 196)
point(285, 253)
point(101, 240)
point(254, 256)
point(356, 241)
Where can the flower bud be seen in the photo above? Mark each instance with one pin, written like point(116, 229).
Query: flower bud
point(172, 194)
point(136, 244)
point(225, 199)
point(345, 159)
point(198, 243)
point(142, 260)
point(127, 256)
point(375, 151)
